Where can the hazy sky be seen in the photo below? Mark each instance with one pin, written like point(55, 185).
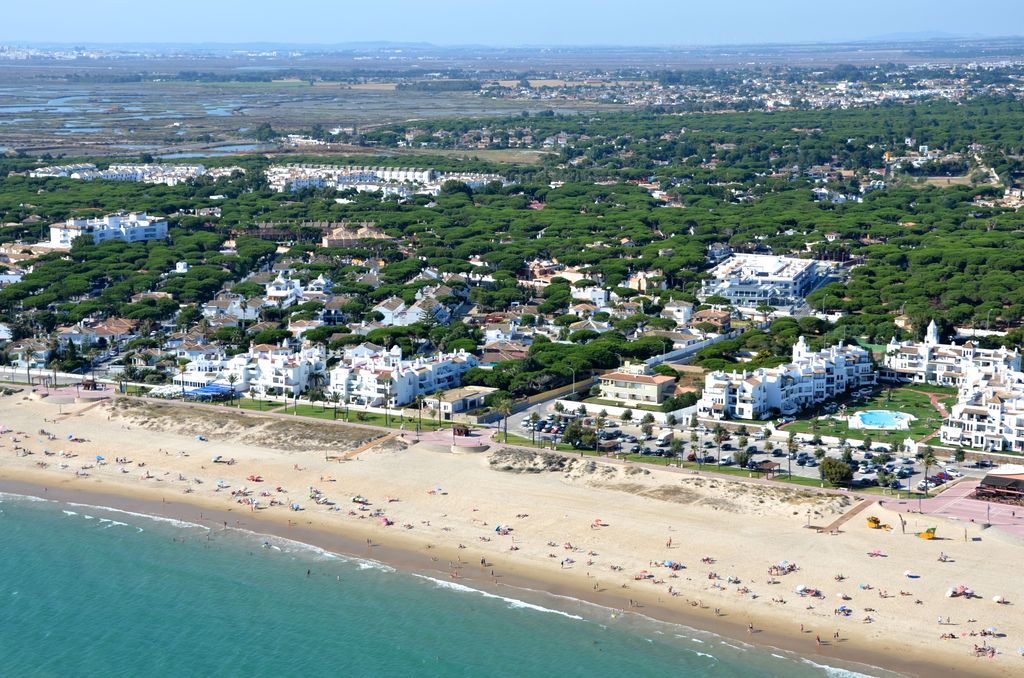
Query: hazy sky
point(499, 22)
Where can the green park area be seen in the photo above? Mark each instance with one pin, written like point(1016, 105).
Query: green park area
point(914, 400)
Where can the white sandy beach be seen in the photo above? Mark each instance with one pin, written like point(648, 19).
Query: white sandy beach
point(592, 529)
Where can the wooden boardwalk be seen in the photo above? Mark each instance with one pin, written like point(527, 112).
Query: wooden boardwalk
point(367, 446)
point(841, 520)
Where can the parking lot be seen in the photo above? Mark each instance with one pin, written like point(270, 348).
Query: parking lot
point(627, 438)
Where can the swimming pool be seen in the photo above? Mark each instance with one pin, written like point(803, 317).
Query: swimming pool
point(881, 419)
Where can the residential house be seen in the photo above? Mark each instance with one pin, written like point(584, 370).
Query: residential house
point(30, 353)
point(457, 400)
point(680, 312)
point(722, 320)
point(634, 385)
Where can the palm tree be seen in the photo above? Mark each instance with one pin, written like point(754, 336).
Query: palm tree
point(419, 412)
point(791, 447)
point(182, 365)
point(244, 306)
point(317, 379)
point(335, 399)
point(503, 406)
point(718, 438)
point(232, 379)
point(928, 459)
point(534, 418)
point(694, 439)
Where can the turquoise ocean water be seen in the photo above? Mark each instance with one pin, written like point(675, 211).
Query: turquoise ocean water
point(87, 591)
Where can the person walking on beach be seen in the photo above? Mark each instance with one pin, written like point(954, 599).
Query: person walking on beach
point(817, 639)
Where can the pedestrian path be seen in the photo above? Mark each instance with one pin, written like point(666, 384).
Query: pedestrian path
point(366, 446)
point(843, 519)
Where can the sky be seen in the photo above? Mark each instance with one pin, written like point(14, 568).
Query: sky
point(498, 22)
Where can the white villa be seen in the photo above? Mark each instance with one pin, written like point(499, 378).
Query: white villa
point(811, 378)
point(285, 292)
point(943, 364)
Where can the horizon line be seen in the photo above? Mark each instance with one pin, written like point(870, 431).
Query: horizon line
point(910, 37)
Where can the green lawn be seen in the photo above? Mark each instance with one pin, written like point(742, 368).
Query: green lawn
point(601, 402)
point(371, 418)
point(912, 400)
point(516, 439)
point(252, 404)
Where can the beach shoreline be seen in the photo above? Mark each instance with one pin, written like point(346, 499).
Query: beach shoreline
point(556, 595)
point(741, 526)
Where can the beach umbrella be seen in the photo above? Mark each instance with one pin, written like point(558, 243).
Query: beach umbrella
point(99, 458)
point(997, 599)
point(950, 593)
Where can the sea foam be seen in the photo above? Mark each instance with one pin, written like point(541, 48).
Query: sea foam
point(835, 671)
point(20, 497)
point(147, 516)
point(512, 602)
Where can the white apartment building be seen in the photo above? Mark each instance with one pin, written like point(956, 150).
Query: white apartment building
point(811, 378)
point(943, 364)
point(989, 413)
point(129, 227)
point(749, 280)
point(265, 369)
point(370, 375)
point(391, 180)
